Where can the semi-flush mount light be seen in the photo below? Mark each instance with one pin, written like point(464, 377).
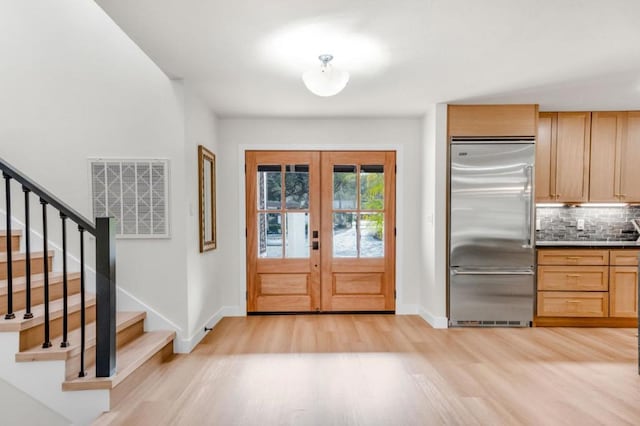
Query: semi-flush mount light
point(326, 80)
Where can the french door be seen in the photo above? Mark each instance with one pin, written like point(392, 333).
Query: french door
point(320, 231)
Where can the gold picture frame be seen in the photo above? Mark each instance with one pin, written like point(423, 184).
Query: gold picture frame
point(207, 198)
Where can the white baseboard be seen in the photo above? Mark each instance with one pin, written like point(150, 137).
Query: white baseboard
point(185, 346)
point(407, 309)
point(432, 320)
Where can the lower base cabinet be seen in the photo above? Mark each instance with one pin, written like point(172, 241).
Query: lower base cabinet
point(623, 291)
point(576, 287)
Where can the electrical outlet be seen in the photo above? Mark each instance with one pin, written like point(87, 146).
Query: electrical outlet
point(538, 225)
point(580, 226)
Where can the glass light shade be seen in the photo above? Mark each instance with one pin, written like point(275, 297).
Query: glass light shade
point(325, 80)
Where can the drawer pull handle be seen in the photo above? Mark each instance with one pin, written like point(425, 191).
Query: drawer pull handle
point(573, 301)
point(573, 275)
point(573, 257)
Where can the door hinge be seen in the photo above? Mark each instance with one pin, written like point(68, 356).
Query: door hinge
point(395, 294)
point(246, 233)
point(246, 295)
point(395, 168)
point(245, 168)
point(395, 232)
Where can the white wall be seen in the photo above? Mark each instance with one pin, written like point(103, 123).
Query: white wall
point(203, 280)
point(75, 86)
point(433, 219)
point(18, 408)
point(237, 135)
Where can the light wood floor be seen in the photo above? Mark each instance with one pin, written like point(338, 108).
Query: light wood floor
point(391, 370)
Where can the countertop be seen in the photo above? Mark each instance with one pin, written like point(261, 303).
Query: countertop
point(587, 243)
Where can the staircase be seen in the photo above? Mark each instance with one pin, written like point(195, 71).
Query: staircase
point(137, 350)
point(77, 371)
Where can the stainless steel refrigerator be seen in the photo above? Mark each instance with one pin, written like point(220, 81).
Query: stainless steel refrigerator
point(491, 232)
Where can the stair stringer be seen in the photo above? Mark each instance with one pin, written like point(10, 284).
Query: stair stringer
point(42, 380)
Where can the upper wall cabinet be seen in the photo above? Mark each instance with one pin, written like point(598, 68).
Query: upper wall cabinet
point(492, 120)
point(615, 150)
point(562, 157)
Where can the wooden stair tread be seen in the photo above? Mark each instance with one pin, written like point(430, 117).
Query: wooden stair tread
point(129, 358)
point(55, 311)
point(55, 352)
point(37, 280)
point(23, 256)
point(14, 232)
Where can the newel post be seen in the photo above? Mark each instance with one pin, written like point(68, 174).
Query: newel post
point(106, 297)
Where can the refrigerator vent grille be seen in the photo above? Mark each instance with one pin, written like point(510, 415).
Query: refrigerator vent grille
point(489, 324)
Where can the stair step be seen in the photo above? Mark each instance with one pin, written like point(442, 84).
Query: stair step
point(129, 359)
point(19, 262)
point(123, 321)
point(32, 330)
point(15, 240)
point(37, 289)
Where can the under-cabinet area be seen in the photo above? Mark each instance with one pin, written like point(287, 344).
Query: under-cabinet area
point(587, 287)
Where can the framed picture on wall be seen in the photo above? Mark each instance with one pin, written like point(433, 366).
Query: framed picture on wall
point(207, 197)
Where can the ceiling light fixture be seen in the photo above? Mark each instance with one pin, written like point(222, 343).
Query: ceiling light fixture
point(326, 80)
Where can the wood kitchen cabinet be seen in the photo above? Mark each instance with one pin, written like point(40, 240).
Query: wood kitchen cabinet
point(492, 120)
point(562, 156)
point(615, 150)
point(623, 284)
point(587, 287)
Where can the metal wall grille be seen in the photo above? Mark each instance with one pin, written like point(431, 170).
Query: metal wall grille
point(135, 193)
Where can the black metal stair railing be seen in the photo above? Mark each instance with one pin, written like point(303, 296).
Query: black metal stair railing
point(104, 233)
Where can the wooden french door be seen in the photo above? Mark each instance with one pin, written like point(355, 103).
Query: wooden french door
point(320, 231)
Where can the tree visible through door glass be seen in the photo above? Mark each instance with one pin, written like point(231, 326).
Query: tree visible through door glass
point(269, 187)
point(296, 181)
point(358, 211)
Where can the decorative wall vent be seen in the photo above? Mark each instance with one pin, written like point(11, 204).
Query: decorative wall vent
point(135, 193)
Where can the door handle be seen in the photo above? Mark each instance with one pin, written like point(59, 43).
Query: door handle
point(315, 245)
point(458, 272)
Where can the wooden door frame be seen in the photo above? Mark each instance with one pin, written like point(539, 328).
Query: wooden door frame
point(401, 309)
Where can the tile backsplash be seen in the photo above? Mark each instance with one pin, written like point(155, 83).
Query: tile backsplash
point(600, 223)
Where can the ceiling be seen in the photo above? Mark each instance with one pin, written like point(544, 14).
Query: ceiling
point(246, 57)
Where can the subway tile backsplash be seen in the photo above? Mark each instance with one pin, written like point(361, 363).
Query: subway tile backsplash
point(600, 223)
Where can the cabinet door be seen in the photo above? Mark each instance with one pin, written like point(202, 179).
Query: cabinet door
point(623, 291)
point(606, 141)
point(545, 157)
point(629, 157)
point(572, 156)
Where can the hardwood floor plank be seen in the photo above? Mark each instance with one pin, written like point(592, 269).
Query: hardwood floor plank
point(386, 369)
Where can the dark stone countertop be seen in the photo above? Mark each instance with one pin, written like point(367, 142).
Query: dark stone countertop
point(623, 244)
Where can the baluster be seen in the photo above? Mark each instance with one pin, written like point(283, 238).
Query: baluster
point(82, 313)
point(10, 314)
point(45, 248)
point(65, 302)
point(27, 241)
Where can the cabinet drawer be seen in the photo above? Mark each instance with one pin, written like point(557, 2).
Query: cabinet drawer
point(573, 278)
point(624, 257)
point(573, 304)
point(573, 257)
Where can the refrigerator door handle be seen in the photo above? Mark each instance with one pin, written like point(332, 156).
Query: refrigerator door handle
point(467, 272)
point(528, 192)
